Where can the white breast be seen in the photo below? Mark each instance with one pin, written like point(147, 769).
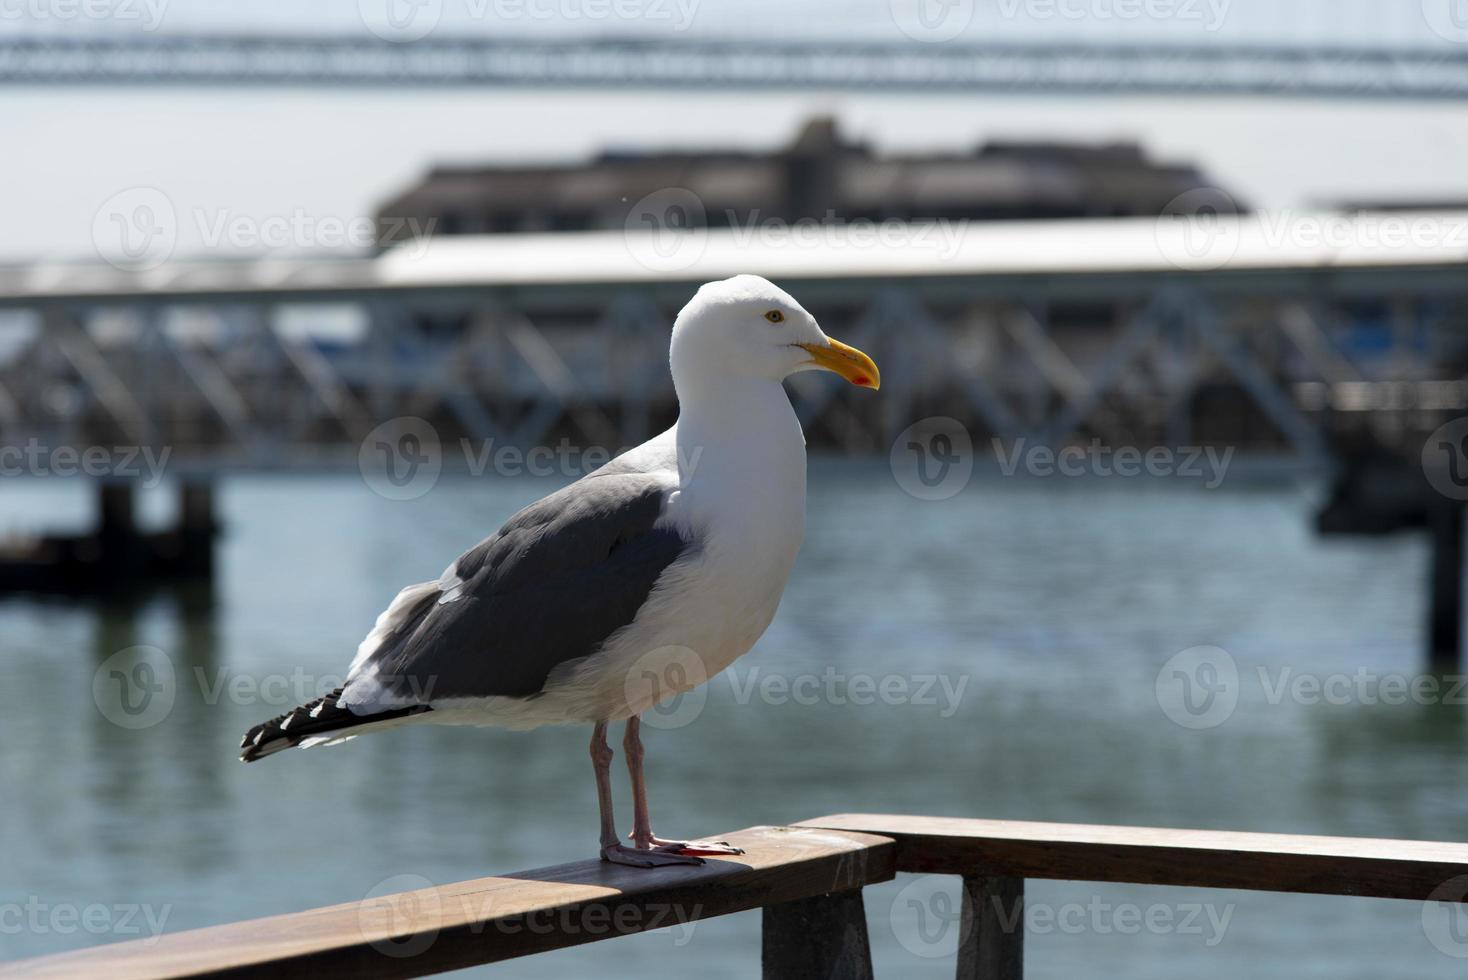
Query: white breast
point(739, 498)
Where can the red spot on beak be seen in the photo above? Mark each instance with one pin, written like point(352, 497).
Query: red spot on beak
point(861, 380)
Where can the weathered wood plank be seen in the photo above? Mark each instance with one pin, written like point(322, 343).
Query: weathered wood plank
point(489, 919)
point(991, 943)
point(824, 936)
point(1156, 856)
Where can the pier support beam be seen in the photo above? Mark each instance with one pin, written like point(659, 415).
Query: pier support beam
point(991, 942)
point(825, 936)
point(1445, 587)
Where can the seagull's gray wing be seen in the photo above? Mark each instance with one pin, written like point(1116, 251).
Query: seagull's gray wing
point(560, 577)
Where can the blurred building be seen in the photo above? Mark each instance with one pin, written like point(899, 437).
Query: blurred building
point(819, 175)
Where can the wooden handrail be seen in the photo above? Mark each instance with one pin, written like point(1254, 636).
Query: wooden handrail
point(807, 878)
point(489, 919)
point(1158, 856)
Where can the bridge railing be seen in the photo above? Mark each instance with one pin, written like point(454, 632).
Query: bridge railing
point(807, 878)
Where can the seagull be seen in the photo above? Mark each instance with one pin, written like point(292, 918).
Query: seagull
point(624, 589)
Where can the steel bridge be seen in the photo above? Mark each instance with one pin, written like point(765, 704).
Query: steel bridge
point(1053, 332)
point(1439, 72)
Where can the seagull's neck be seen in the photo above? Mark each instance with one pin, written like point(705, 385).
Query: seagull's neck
point(739, 441)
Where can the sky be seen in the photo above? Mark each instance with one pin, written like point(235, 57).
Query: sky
point(251, 155)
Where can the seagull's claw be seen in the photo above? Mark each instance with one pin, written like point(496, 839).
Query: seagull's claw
point(635, 858)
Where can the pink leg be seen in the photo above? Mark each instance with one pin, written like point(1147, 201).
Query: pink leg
point(611, 849)
point(642, 835)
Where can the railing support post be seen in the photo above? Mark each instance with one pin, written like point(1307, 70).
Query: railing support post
point(992, 935)
point(825, 936)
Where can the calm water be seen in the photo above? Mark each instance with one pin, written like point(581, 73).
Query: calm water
point(1053, 603)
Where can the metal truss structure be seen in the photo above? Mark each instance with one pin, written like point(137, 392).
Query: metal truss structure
point(1424, 73)
point(240, 380)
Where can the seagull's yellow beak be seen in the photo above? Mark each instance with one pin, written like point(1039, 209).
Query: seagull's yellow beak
point(846, 361)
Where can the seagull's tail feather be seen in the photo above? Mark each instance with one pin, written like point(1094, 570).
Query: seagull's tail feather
point(319, 722)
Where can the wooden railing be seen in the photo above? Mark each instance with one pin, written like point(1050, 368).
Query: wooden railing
point(807, 878)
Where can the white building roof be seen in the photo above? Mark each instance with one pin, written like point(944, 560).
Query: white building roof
point(825, 251)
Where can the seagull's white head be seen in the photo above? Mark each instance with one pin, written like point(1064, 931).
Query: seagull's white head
point(748, 326)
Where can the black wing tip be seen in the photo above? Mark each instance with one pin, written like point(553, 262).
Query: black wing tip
point(319, 717)
point(262, 740)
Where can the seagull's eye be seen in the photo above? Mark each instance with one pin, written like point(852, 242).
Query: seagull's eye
point(775, 316)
